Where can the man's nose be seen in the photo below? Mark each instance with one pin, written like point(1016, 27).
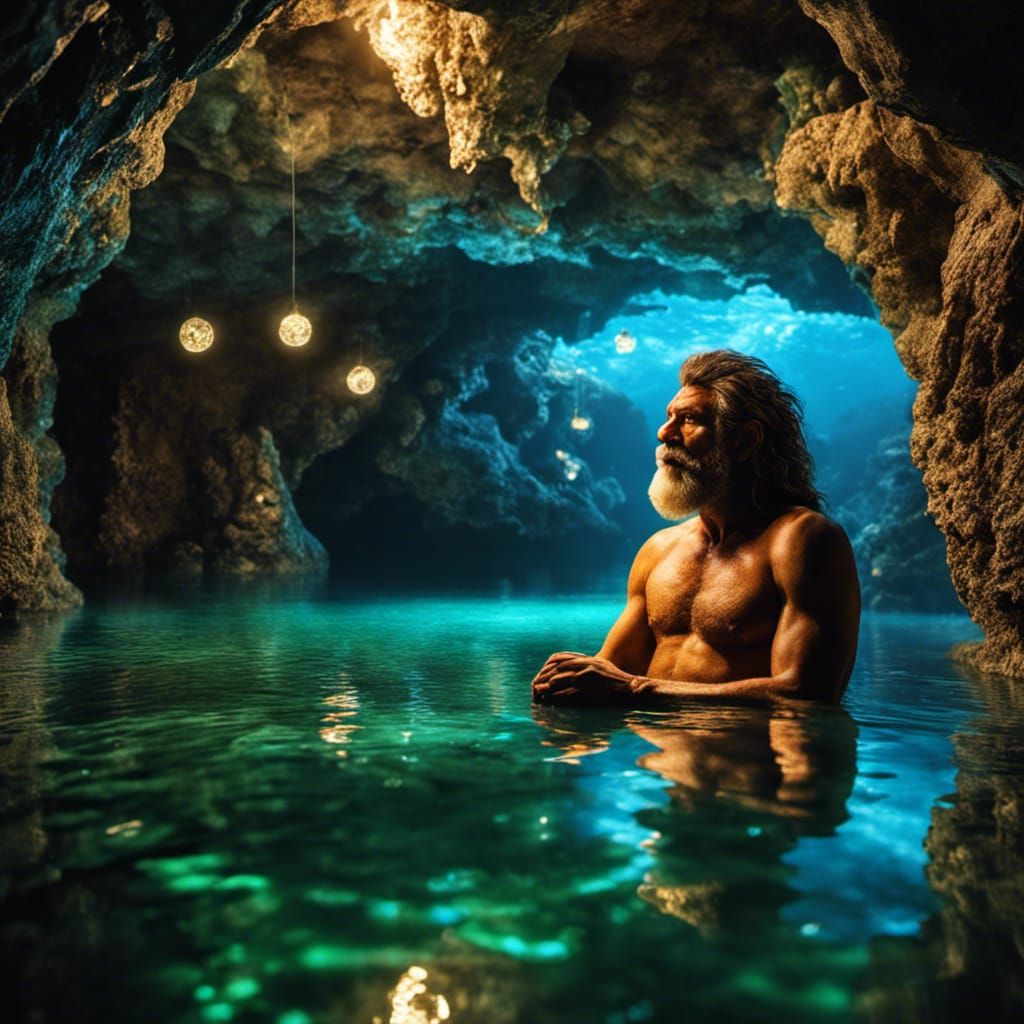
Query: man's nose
point(668, 431)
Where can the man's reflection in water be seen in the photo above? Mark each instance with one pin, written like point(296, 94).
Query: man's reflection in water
point(746, 784)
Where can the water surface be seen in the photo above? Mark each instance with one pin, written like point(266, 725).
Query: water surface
point(298, 807)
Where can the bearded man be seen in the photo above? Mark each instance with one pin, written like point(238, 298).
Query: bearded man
point(755, 596)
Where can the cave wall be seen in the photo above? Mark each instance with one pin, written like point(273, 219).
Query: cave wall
point(86, 94)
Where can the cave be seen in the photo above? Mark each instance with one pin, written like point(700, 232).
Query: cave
point(270, 603)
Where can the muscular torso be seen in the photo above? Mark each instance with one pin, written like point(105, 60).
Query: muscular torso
point(713, 609)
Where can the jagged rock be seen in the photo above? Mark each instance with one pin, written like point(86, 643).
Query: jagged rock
point(385, 228)
point(946, 271)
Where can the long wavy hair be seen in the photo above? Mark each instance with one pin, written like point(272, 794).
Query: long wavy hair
point(746, 389)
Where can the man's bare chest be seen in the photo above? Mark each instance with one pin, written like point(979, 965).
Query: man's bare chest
point(727, 598)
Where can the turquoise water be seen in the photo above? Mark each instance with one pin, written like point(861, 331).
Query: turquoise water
point(295, 807)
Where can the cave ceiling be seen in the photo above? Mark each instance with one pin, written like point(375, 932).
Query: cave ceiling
point(619, 146)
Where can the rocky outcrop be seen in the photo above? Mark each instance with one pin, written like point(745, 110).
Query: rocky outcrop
point(31, 466)
point(86, 94)
point(876, 494)
point(939, 242)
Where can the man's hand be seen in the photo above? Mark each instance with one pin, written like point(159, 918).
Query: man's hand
point(571, 678)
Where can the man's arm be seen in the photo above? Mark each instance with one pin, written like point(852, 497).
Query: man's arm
point(630, 643)
point(814, 645)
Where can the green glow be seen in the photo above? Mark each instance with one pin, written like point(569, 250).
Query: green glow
point(296, 885)
point(241, 988)
point(251, 883)
point(218, 1011)
point(294, 1017)
point(333, 897)
point(828, 997)
point(173, 866)
point(385, 910)
point(322, 958)
point(515, 945)
point(192, 883)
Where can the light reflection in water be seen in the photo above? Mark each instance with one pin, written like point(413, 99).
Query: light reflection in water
point(338, 725)
point(413, 1003)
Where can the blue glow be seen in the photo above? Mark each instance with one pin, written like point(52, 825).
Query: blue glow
point(834, 361)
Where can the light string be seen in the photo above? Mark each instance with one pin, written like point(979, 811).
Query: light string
point(295, 329)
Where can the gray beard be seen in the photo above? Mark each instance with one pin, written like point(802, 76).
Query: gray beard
point(676, 492)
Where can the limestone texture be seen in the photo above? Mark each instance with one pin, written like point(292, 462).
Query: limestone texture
point(946, 273)
point(86, 93)
point(876, 494)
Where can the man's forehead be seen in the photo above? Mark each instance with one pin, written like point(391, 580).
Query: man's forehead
point(692, 396)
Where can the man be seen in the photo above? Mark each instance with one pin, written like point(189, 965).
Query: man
point(754, 597)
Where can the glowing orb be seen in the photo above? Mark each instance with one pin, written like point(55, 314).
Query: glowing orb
point(561, 455)
point(624, 342)
point(579, 422)
point(295, 330)
point(361, 380)
point(196, 334)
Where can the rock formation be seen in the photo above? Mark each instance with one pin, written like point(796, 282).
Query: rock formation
point(471, 174)
point(925, 207)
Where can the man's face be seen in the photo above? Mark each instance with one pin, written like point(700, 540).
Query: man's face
point(693, 465)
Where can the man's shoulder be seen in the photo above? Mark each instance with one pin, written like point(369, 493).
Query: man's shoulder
point(802, 538)
point(801, 524)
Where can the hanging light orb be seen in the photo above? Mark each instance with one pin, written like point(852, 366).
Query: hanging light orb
point(361, 380)
point(295, 329)
point(624, 342)
point(196, 334)
point(580, 423)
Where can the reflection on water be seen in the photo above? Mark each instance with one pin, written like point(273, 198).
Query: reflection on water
point(297, 809)
point(746, 783)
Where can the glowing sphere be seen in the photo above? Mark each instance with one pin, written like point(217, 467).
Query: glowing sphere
point(624, 342)
point(361, 380)
point(295, 330)
point(196, 334)
point(579, 422)
point(561, 455)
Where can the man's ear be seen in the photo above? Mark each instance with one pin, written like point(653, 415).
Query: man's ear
point(749, 438)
